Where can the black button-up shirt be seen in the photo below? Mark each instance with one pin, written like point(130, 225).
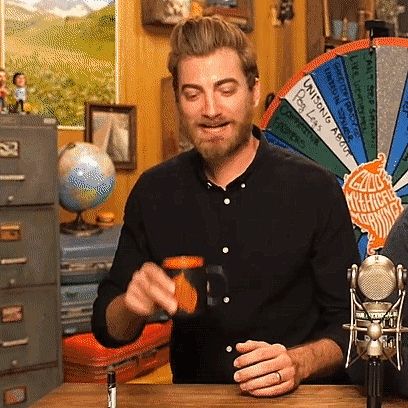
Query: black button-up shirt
point(281, 232)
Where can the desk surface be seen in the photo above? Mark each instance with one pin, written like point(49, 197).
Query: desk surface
point(71, 395)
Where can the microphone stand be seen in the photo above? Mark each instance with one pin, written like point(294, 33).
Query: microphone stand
point(374, 382)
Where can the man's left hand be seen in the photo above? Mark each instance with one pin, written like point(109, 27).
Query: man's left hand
point(265, 369)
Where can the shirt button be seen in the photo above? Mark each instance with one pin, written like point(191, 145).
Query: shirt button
point(227, 201)
point(226, 299)
point(225, 250)
point(228, 349)
point(243, 185)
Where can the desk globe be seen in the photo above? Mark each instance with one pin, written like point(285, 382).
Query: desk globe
point(86, 178)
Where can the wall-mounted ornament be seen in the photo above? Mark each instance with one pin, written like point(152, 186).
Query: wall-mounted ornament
point(164, 12)
point(281, 11)
point(286, 11)
point(239, 12)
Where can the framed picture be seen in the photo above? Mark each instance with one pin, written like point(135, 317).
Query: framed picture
point(239, 12)
point(55, 88)
point(113, 129)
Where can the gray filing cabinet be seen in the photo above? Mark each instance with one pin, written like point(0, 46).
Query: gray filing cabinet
point(30, 327)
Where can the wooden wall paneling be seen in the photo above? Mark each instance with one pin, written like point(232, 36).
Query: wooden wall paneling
point(173, 139)
point(169, 119)
point(315, 27)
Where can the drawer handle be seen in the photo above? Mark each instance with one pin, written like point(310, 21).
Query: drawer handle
point(15, 396)
point(13, 343)
point(12, 177)
point(76, 312)
point(13, 261)
point(12, 314)
point(78, 267)
point(10, 232)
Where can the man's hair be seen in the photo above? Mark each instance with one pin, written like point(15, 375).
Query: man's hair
point(200, 36)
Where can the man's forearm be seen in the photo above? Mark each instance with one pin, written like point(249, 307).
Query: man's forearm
point(319, 358)
point(121, 323)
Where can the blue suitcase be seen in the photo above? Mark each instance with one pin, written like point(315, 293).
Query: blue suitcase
point(76, 307)
point(87, 259)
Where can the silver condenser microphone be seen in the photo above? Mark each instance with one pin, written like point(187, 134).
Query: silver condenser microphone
point(379, 321)
point(376, 321)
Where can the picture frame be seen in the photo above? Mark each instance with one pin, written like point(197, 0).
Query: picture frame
point(112, 127)
point(242, 14)
point(52, 87)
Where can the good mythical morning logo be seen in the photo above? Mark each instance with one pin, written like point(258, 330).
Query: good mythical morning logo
point(372, 201)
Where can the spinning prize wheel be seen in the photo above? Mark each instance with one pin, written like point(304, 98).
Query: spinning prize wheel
point(348, 111)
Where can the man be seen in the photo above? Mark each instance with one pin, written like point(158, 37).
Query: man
point(276, 223)
point(396, 244)
point(396, 249)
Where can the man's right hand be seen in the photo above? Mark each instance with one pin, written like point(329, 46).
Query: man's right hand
point(150, 289)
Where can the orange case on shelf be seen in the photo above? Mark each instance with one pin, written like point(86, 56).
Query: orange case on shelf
point(85, 360)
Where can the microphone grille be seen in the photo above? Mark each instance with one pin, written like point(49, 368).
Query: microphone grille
point(377, 278)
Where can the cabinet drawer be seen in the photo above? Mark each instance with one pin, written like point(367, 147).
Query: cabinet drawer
point(28, 160)
point(23, 389)
point(28, 246)
point(30, 332)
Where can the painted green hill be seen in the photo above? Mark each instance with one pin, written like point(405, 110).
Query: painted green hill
point(93, 32)
point(67, 60)
point(18, 19)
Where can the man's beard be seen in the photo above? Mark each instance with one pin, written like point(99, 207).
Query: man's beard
point(217, 152)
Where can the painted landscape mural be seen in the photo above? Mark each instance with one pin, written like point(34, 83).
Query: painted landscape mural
point(66, 49)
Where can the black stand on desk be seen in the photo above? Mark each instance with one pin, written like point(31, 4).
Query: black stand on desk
point(374, 381)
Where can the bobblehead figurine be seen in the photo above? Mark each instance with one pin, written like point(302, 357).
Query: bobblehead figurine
point(4, 92)
point(19, 80)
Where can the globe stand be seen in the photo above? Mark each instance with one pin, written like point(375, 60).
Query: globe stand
point(80, 227)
